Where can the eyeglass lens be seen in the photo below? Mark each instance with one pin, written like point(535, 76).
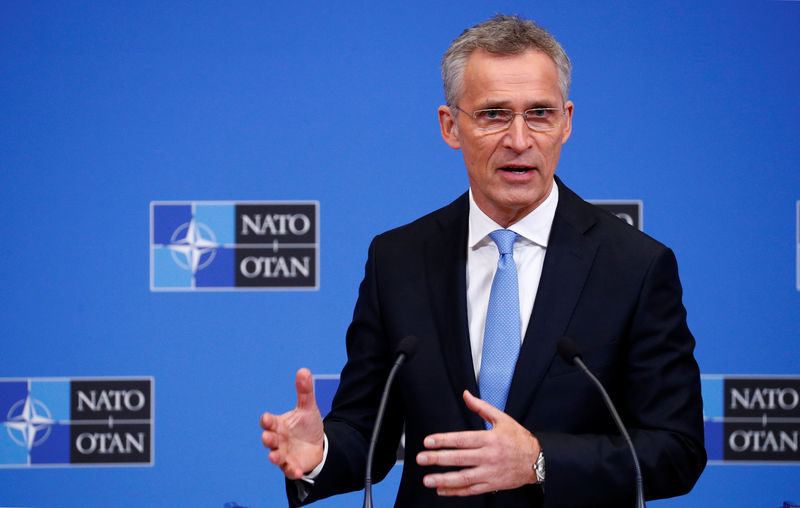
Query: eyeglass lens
point(538, 119)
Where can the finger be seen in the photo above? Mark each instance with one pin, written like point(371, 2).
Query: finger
point(276, 458)
point(304, 384)
point(485, 410)
point(470, 490)
point(268, 421)
point(457, 483)
point(269, 439)
point(463, 458)
point(293, 473)
point(280, 460)
point(463, 439)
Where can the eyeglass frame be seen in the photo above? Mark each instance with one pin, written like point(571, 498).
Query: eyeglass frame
point(514, 113)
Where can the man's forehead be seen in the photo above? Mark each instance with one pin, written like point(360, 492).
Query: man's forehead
point(498, 77)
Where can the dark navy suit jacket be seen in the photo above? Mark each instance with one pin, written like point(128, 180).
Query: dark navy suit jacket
point(612, 289)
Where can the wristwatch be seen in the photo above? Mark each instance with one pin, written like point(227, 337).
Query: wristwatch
point(538, 467)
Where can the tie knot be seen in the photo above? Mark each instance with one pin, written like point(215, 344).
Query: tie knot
point(504, 238)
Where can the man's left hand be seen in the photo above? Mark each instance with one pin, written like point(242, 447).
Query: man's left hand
point(497, 459)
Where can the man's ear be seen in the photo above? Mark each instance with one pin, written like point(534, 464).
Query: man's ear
point(569, 108)
point(449, 127)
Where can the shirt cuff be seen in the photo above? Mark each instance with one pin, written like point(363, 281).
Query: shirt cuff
point(311, 476)
point(306, 481)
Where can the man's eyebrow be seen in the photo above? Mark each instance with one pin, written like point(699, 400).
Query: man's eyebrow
point(496, 104)
point(504, 104)
point(542, 104)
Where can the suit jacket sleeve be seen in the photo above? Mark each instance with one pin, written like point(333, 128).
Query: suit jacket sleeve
point(657, 391)
point(350, 423)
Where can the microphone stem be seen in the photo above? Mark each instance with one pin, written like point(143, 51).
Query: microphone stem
point(376, 429)
point(618, 421)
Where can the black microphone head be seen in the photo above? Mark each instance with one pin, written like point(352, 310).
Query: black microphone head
point(408, 346)
point(568, 350)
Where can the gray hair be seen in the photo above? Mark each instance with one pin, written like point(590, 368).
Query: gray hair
point(502, 35)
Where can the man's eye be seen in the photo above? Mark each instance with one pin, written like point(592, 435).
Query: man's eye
point(495, 116)
point(538, 113)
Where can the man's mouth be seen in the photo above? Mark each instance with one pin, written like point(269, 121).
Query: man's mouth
point(517, 170)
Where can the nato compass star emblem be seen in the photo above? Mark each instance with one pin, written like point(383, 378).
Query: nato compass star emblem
point(29, 422)
point(193, 246)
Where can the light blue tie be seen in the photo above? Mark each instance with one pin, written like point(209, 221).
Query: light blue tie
point(501, 337)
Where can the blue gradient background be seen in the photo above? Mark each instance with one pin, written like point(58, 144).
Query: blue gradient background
point(692, 107)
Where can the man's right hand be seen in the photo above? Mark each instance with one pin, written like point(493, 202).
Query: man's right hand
point(296, 438)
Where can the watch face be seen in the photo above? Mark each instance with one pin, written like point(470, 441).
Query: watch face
point(539, 468)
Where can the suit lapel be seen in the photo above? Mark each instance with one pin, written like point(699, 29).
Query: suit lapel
point(567, 264)
point(446, 265)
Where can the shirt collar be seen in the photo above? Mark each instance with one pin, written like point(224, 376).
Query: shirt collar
point(535, 226)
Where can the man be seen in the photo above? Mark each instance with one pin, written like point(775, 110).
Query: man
point(545, 439)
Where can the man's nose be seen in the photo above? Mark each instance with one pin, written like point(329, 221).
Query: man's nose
point(518, 137)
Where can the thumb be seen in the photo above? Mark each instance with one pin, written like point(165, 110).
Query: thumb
point(485, 410)
point(305, 390)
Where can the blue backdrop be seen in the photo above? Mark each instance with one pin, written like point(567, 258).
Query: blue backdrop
point(692, 107)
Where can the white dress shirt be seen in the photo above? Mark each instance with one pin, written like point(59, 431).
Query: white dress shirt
point(482, 256)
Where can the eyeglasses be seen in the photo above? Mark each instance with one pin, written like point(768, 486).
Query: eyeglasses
point(499, 119)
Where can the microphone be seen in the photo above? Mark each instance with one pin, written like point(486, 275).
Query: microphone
point(405, 350)
point(571, 353)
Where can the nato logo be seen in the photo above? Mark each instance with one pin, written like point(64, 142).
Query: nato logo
point(628, 210)
point(58, 422)
point(227, 246)
point(751, 419)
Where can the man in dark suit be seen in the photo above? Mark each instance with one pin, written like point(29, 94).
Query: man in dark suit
point(546, 439)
